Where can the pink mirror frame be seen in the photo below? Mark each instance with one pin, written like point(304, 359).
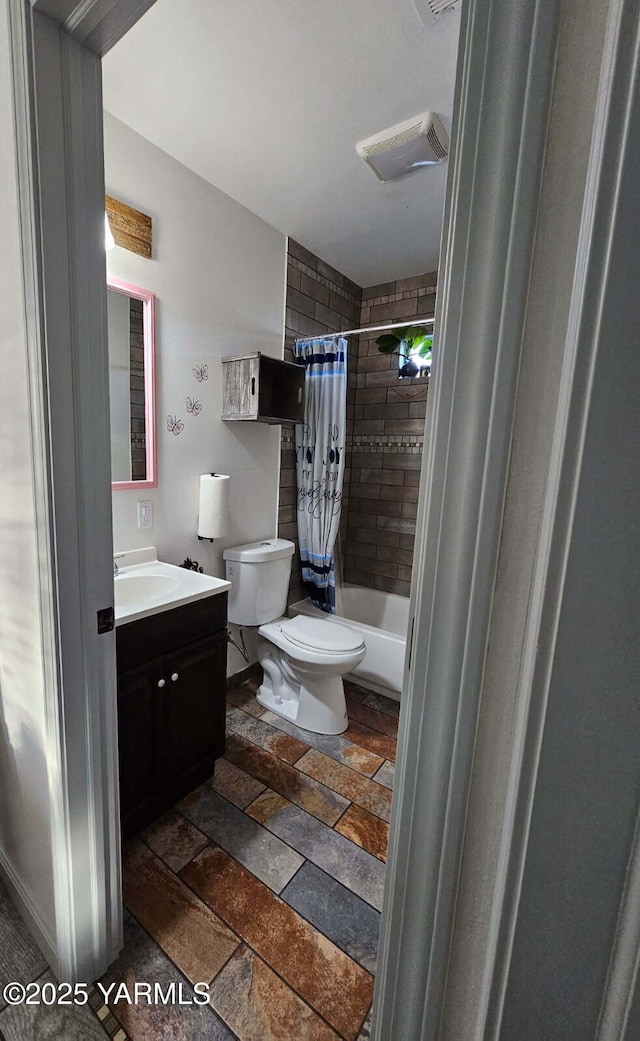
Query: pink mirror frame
point(148, 324)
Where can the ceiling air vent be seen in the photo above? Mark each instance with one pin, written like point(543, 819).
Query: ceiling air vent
point(408, 146)
point(430, 10)
point(439, 148)
point(438, 6)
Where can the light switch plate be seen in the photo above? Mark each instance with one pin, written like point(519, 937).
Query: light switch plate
point(145, 513)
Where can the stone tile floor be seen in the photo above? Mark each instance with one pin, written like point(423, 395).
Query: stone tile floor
point(265, 883)
point(21, 961)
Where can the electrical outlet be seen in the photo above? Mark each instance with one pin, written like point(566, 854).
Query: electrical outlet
point(145, 514)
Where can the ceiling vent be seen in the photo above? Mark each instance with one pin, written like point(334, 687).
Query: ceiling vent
point(430, 10)
point(408, 146)
point(438, 6)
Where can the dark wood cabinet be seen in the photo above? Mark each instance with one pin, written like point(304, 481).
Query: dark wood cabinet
point(171, 706)
point(138, 748)
point(194, 713)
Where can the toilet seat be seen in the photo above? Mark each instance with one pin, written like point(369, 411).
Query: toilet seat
point(316, 634)
point(304, 647)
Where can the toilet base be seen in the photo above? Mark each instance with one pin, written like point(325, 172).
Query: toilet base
point(313, 702)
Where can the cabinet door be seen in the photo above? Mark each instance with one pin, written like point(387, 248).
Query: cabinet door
point(194, 713)
point(138, 746)
point(241, 388)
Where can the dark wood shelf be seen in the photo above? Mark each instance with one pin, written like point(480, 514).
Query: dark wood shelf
point(262, 389)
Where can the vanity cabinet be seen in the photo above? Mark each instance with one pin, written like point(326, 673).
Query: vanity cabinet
point(264, 389)
point(171, 706)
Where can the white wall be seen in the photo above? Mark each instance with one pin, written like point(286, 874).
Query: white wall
point(25, 838)
point(218, 273)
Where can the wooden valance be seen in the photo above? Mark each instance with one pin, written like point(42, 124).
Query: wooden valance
point(130, 228)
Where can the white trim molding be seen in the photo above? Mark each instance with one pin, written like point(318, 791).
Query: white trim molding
point(495, 173)
point(585, 338)
point(618, 1019)
point(603, 316)
point(573, 760)
point(96, 24)
point(58, 105)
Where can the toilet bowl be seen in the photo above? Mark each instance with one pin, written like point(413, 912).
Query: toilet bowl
point(303, 661)
point(303, 658)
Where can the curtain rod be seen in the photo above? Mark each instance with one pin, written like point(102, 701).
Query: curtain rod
point(369, 329)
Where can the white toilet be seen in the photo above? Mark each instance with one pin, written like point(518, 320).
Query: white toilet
point(303, 658)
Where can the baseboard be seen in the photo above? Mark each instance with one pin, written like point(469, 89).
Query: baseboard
point(29, 912)
point(252, 672)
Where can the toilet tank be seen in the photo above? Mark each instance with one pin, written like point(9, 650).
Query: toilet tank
point(259, 575)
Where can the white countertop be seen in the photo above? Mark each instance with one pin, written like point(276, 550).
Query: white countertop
point(146, 586)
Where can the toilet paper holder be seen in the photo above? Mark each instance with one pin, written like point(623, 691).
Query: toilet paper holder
point(213, 506)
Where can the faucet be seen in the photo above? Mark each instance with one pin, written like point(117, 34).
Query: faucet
point(115, 566)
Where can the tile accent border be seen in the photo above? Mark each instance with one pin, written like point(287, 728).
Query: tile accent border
point(108, 1021)
point(371, 443)
point(413, 294)
point(398, 443)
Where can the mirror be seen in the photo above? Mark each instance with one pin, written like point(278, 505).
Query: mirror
point(130, 318)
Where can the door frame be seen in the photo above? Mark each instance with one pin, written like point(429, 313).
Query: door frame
point(487, 254)
point(460, 520)
point(60, 178)
point(488, 241)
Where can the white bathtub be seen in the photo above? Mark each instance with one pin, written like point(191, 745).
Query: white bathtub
point(383, 619)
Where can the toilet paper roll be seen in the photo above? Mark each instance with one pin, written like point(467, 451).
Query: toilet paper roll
point(213, 511)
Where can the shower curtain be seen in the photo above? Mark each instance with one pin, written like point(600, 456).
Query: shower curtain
point(320, 464)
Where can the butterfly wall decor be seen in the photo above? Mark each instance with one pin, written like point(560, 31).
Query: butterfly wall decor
point(194, 407)
point(201, 372)
point(174, 425)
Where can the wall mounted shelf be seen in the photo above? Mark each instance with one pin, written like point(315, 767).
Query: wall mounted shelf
point(262, 389)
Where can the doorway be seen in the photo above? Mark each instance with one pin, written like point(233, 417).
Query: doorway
point(453, 590)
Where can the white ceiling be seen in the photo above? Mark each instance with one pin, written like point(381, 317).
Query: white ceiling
point(266, 100)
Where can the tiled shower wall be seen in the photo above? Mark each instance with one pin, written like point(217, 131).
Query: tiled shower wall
point(319, 300)
point(387, 443)
point(385, 420)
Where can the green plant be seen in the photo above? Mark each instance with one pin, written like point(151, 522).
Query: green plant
point(410, 342)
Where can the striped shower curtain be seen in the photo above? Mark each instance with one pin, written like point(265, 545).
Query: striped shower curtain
point(320, 464)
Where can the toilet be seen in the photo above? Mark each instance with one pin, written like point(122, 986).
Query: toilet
point(303, 658)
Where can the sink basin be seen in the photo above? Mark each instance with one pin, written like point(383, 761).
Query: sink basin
point(142, 589)
point(146, 586)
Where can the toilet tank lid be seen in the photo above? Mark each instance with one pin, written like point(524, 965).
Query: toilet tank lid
point(257, 552)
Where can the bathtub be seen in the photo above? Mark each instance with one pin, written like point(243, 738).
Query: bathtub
point(382, 619)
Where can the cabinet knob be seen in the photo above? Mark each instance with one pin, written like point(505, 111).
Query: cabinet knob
point(174, 676)
point(161, 683)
